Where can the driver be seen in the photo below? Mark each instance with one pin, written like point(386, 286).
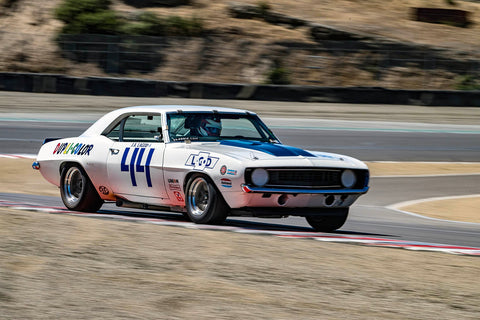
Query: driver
point(210, 128)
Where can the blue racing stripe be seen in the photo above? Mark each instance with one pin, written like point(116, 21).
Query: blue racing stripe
point(278, 150)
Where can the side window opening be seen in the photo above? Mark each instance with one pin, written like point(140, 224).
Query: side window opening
point(138, 128)
point(114, 134)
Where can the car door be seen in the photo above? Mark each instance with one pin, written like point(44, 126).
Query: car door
point(135, 160)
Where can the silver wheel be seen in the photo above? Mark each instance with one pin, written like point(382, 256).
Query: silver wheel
point(199, 198)
point(77, 191)
point(73, 186)
point(203, 201)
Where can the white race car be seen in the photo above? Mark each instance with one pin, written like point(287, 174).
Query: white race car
point(205, 162)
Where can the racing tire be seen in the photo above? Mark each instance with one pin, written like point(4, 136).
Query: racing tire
point(329, 223)
point(77, 191)
point(205, 204)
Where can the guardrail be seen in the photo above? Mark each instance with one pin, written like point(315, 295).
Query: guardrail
point(53, 83)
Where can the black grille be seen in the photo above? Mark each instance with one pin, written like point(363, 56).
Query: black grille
point(319, 178)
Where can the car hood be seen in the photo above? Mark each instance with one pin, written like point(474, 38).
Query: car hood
point(263, 153)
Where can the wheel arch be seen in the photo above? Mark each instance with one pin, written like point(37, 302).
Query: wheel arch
point(192, 173)
point(67, 164)
point(208, 177)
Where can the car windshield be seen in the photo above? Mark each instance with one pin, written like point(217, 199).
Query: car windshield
point(214, 126)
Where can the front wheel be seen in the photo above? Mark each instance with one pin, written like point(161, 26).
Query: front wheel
point(329, 223)
point(204, 203)
point(77, 191)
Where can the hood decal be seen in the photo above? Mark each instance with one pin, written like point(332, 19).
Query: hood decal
point(278, 150)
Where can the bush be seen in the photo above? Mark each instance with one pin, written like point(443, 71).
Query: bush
point(263, 7)
point(103, 22)
point(147, 23)
point(178, 26)
point(95, 17)
point(69, 10)
point(9, 3)
point(88, 16)
point(467, 82)
point(278, 75)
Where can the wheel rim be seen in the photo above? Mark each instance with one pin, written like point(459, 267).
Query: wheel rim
point(199, 197)
point(73, 185)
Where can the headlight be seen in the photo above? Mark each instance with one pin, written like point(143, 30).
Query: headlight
point(348, 178)
point(259, 177)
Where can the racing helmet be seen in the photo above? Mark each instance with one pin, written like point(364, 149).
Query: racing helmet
point(210, 128)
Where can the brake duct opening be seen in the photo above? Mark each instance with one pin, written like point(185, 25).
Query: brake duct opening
point(282, 200)
point(329, 200)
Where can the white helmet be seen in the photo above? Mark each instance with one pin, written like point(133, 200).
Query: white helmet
point(210, 128)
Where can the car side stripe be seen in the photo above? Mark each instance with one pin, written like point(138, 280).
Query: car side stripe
point(132, 167)
point(147, 167)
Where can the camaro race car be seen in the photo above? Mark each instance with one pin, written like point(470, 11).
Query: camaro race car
point(205, 162)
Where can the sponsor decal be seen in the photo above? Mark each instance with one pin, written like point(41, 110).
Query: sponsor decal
point(80, 149)
point(232, 172)
point(178, 195)
point(135, 166)
point(223, 170)
point(226, 183)
point(140, 145)
point(104, 190)
point(173, 184)
point(201, 161)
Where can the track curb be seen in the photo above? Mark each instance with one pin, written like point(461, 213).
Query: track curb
point(324, 237)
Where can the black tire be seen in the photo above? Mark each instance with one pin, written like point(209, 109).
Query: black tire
point(329, 223)
point(78, 193)
point(205, 205)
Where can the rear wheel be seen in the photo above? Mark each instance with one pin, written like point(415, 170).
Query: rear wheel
point(204, 203)
point(77, 191)
point(329, 223)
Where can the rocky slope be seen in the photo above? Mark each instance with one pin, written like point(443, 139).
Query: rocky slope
point(386, 47)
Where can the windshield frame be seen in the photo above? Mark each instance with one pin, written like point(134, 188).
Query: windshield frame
point(266, 134)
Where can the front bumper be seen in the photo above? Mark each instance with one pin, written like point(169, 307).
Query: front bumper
point(250, 189)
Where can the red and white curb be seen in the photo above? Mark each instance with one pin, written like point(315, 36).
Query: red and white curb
point(18, 156)
point(326, 237)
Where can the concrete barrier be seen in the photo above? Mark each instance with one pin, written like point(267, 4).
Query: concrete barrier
point(54, 83)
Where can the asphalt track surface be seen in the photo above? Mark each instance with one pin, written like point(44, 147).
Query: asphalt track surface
point(368, 141)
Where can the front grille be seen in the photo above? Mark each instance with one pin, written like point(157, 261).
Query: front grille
point(304, 178)
point(308, 178)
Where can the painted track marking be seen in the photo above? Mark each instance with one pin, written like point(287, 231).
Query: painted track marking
point(326, 237)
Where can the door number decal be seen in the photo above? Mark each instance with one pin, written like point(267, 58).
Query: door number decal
point(135, 164)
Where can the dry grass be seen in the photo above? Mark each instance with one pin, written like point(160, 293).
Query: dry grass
point(458, 209)
point(64, 267)
point(378, 169)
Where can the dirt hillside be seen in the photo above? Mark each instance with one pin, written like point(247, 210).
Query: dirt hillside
point(239, 50)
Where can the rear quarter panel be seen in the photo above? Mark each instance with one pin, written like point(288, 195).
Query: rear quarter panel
point(90, 153)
